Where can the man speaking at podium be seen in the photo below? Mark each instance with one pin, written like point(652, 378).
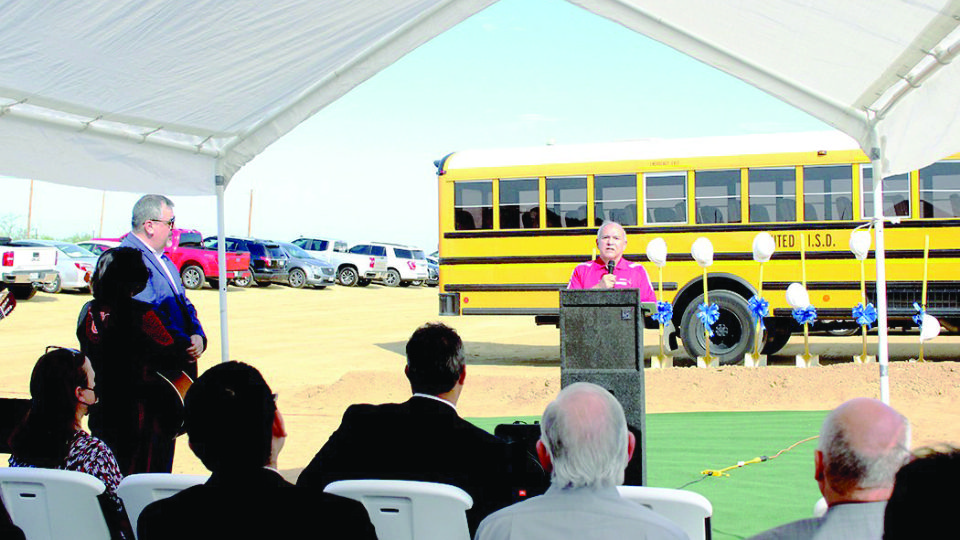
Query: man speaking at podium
point(610, 270)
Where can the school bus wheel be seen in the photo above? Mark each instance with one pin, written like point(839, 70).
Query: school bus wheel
point(776, 335)
point(733, 333)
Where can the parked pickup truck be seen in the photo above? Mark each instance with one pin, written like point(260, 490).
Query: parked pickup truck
point(357, 266)
point(198, 264)
point(24, 269)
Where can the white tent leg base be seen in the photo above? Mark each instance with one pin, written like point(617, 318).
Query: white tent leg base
point(749, 360)
point(807, 360)
point(864, 359)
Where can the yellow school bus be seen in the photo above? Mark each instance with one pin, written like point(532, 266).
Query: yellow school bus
point(515, 222)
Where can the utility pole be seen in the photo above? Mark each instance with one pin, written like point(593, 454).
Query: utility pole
point(103, 204)
point(250, 214)
point(30, 209)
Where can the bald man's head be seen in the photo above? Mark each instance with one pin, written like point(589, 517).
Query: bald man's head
point(863, 443)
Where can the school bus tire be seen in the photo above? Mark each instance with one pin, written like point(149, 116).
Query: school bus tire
point(777, 335)
point(734, 331)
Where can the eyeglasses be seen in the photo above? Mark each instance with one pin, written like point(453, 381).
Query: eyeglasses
point(168, 222)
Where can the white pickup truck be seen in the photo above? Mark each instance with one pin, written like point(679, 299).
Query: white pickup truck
point(24, 269)
point(357, 266)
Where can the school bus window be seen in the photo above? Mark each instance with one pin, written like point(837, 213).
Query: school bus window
point(940, 190)
point(567, 201)
point(896, 194)
point(828, 192)
point(615, 198)
point(717, 195)
point(473, 205)
point(520, 204)
point(773, 195)
point(665, 197)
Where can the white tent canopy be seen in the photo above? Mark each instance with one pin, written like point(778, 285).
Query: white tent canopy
point(166, 95)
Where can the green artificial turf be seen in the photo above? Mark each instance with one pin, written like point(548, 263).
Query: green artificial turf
point(752, 498)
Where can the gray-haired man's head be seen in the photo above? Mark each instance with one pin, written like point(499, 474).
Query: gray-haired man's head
point(584, 438)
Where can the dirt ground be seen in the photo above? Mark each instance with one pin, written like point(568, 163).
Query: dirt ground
point(322, 350)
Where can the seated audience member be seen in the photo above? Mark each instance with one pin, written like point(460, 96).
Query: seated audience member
point(236, 430)
point(924, 497)
point(62, 389)
point(423, 438)
point(862, 444)
point(586, 446)
point(50, 436)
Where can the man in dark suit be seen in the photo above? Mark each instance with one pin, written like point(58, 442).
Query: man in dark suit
point(237, 431)
point(423, 438)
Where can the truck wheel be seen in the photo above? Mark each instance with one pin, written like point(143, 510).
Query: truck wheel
point(54, 286)
point(192, 277)
point(347, 276)
point(22, 292)
point(297, 278)
point(392, 278)
point(733, 333)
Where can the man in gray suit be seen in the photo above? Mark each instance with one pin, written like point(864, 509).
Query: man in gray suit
point(862, 445)
point(586, 445)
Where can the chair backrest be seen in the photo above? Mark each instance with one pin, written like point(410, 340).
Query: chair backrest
point(50, 504)
point(138, 490)
point(690, 511)
point(409, 510)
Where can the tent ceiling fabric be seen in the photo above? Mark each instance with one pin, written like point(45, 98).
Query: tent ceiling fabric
point(134, 94)
point(122, 85)
point(841, 61)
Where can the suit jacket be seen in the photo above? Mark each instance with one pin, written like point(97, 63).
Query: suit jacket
point(849, 521)
point(168, 299)
point(255, 504)
point(420, 439)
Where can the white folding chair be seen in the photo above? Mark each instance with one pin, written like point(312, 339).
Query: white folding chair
point(691, 511)
point(408, 510)
point(138, 490)
point(50, 504)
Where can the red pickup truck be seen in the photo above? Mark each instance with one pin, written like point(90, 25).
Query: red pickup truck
point(195, 262)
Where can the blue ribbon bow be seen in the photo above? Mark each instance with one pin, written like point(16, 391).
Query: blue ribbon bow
point(759, 308)
point(865, 315)
point(805, 315)
point(708, 315)
point(664, 312)
point(918, 318)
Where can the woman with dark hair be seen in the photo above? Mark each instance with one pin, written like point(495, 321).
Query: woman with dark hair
point(138, 415)
point(50, 435)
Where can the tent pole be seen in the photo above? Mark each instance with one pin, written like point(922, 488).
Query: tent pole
point(222, 270)
point(876, 155)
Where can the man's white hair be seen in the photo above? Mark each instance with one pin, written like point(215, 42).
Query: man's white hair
point(852, 463)
point(604, 226)
point(585, 433)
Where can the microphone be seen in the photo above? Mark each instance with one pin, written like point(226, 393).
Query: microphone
point(610, 266)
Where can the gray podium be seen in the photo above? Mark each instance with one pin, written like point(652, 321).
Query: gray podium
point(601, 341)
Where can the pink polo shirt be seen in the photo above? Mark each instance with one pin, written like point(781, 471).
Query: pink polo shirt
point(629, 276)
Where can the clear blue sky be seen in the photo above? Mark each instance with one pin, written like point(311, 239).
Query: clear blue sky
point(520, 73)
